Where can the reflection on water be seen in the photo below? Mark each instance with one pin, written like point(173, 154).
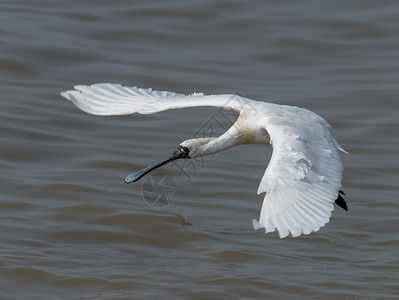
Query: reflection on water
point(71, 227)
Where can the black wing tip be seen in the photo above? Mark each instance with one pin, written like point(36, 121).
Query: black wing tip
point(341, 202)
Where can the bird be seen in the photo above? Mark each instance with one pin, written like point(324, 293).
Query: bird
point(303, 179)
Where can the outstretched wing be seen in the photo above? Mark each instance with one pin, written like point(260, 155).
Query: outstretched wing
point(304, 175)
point(107, 99)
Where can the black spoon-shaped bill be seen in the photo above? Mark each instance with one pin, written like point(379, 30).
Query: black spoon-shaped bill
point(180, 152)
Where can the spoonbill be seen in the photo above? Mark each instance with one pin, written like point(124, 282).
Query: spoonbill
point(304, 175)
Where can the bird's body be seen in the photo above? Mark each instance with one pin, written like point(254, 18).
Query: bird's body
point(303, 178)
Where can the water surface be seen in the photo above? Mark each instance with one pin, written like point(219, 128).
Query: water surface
point(72, 229)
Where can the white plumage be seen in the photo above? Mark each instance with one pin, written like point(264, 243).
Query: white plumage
point(303, 178)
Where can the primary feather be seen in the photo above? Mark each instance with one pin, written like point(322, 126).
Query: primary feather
point(105, 99)
point(303, 178)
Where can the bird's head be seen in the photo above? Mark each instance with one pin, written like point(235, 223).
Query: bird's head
point(196, 147)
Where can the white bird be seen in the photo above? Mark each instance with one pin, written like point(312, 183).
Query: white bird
point(303, 178)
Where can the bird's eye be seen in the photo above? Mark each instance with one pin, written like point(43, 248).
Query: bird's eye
point(184, 149)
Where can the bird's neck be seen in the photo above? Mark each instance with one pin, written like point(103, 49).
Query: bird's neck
point(225, 141)
point(245, 130)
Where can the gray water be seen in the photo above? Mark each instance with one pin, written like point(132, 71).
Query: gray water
point(72, 229)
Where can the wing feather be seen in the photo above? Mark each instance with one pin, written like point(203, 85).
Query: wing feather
point(304, 175)
point(107, 99)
